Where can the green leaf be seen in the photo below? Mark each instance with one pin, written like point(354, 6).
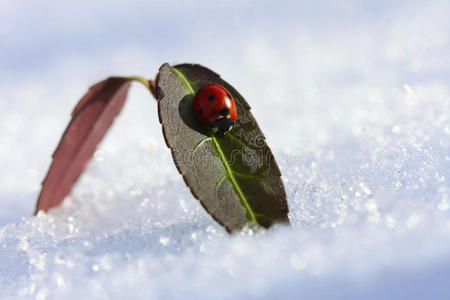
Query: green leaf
point(234, 175)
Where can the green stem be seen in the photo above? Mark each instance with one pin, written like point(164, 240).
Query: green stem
point(141, 80)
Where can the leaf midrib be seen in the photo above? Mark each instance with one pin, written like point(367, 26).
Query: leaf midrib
point(236, 187)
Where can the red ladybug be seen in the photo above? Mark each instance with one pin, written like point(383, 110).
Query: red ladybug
point(215, 106)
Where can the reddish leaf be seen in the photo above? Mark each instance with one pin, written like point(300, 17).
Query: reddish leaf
point(91, 118)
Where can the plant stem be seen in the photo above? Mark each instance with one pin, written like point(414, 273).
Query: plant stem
point(141, 80)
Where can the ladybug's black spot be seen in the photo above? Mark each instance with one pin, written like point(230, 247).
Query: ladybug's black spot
point(200, 111)
point(211, 98)
point(228, 95)
point(224, 112)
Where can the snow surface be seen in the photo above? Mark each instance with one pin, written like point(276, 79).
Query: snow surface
point(354, 99)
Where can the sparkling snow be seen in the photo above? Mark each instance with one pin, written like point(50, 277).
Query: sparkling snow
point(354, 100)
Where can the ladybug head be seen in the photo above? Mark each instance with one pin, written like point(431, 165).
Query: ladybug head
point(222, 125)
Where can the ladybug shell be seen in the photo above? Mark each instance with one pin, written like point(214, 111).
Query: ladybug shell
point(212, 102)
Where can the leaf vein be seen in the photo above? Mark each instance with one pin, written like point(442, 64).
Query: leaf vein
point(237, 140)
point(247, 176)
point(236, 186)
point(199, 144)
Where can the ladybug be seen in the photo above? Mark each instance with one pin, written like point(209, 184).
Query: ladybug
point(215, 106)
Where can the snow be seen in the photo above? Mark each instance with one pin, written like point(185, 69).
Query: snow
point(354, 100)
